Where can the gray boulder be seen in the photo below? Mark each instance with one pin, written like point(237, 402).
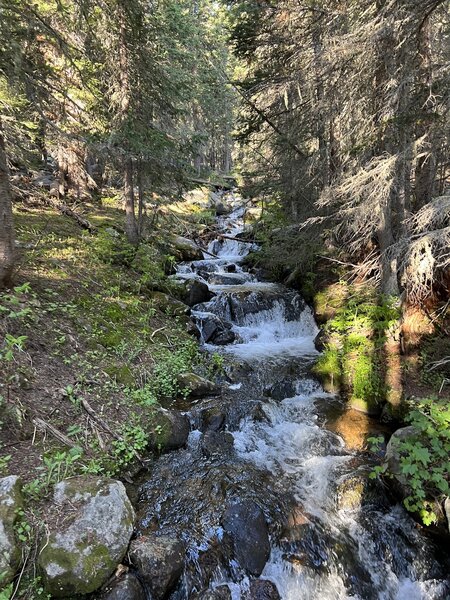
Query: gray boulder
point(159, 561)
point(127, 587)
point(90, 526)
point(245, 524)
point(393, 456)
point(10, 503)
point(447, 512)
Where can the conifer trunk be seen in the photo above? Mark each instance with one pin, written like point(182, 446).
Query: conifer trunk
point(131, 229)
point(7, 253)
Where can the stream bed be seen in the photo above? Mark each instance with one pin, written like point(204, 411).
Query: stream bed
point(273, 484)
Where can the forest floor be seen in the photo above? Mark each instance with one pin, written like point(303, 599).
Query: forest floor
point(88, 349)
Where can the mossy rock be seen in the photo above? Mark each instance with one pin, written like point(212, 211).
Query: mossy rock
point(184, 249)
point(169, 305)
point(11, 502)
point(196, 386)
point(169, 430)
point(122, 374)
point(90, 524)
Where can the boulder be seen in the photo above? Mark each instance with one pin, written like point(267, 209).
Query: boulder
point(263, 589)
point(196, 291)
point(245, 524)
point(393, 456)
point(213, 420)
point(169, 305)
point(447, 512)
point(185, 249)
point(216, 443)
point(196, 386)
point(215, 331)
point(170, 430)
point(159, 561)
point(222, 209)
point(281, 390)
point(89, 529)
point(224, 338)
point(222, 592)
point(127, 587)
point(10, 503)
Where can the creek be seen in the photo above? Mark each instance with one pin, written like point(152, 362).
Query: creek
point(274, 441)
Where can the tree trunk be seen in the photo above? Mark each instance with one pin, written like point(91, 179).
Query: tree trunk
point(7, 253)
point(425, 172)
point(131, 229)
point(140, 184)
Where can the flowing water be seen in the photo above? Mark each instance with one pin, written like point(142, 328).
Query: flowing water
point(334, 532)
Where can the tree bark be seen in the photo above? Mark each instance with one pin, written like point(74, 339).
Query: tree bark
point(131, 229)
point(7, 251)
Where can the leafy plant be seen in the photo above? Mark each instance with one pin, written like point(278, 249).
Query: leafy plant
point(424, 458)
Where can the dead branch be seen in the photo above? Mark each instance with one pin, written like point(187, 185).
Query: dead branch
point(56, 433)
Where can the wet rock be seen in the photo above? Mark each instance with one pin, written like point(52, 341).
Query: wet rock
point(170, 430)
point(230, 268)
point(350, 491)
point(214, 330)
point(213, 420)
point(281, 390)
point(221, 592)
point(222, 210)
point(321, 340)
point(196, 291)
point(216, 443)
point(84, 548)
point(127, 587)
point(229, 279)
point(10, 503)
point(224, 338)
point(196, 386)
point(184, 249)
point(246, 525)
point(169, 305)
point(262, 589)
point(159, 560)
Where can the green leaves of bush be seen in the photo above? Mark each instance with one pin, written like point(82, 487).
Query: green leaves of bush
point(425, 457)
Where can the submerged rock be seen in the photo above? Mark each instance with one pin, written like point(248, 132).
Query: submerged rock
point(216, 443)
point(196, 386)
point(159, 561)
point(83, 548)
point(221, 592)
point(127, 587)
point(11, 502)
point(262, 589)
point(246, 525)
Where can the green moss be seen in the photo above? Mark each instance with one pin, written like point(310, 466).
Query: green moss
point(357, 321)
point(121, 374)
point(329, 369)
